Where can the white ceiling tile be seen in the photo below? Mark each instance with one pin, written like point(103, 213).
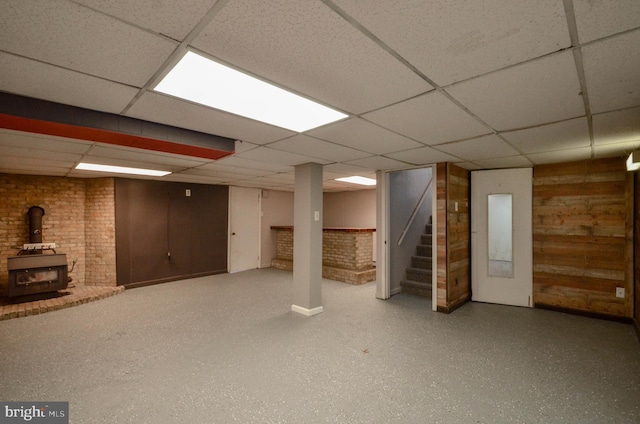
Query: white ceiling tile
point(431, 119)
point(363, 135)
point(379, 163)
point(612, 69)
point(279, 157)
point(487, 147)
point(8, 163)
point(235, 161)
point(217, 169)
point(35, 79)
point(75, 37)
point(597, 19)
point(422, 156)
point(172, 18)
point(573, 133)
point(616, 150)
point(195, 179)
point(508, 162)
point(468, 165)
point(243, 146)
point(167, 110)
point(43, 142)
point(308, 48)
point(144, 156)
point(617, 127)
point(314, 147)
point(534, 93)
point(348, 169)
point(221, 175)
point(31, 153)
point(558, 156)
point(451, 40)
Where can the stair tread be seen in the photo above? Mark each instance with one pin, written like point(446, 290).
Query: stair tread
point(415, 283)
point(419, 270)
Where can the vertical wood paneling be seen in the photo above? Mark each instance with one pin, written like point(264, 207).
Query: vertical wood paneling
point(453, 236)
point(583, 232)
point(636, 261)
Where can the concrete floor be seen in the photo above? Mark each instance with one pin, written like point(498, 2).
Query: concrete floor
point(227, 348)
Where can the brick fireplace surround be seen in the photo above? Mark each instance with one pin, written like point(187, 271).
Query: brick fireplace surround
point(79, 218)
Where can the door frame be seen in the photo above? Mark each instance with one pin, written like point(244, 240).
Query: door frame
point(522, 226)
point(258, 207)
point(383, 281)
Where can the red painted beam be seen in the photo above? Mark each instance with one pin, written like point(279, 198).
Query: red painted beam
point(108, 137)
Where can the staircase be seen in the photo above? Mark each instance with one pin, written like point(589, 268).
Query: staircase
point(418, 276)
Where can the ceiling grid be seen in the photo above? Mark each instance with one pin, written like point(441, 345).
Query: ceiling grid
point(483, 84)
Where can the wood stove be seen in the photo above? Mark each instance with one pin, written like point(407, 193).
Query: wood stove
point(34, 269)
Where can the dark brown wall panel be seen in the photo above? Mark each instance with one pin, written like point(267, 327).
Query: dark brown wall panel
point(166, 231)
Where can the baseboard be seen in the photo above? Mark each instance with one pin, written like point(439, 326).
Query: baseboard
point(395, 291)
point(170, 279)
point(583, 313)
point(307, 312)
point(451, 308)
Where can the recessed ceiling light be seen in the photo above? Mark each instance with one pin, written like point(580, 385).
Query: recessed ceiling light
point(121, 169)
point(358, 180)
point(201, 80)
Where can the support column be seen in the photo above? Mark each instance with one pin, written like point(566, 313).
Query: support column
point(307, 240)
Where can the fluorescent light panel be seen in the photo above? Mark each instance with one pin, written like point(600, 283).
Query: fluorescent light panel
point(358, 180)
point(121, 169)
point(201, 80)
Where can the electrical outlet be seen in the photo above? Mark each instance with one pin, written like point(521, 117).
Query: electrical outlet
point(620, 292)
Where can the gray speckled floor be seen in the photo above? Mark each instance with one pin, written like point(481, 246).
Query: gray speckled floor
point(227, 349)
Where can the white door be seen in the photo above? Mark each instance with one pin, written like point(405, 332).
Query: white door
point(244, 228)
point(502, 236)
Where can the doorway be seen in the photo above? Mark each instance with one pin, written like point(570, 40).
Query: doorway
point(244, 228)
point(502, 236)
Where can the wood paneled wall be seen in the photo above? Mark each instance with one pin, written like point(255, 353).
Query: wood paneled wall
point(164, 233)
point(636, 253)
point(583, 237)
point(453, 236)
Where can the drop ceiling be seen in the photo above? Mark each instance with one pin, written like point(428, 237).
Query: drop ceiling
point(483, 84)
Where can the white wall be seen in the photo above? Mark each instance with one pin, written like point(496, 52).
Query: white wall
point(343, 209)
point(350, 209)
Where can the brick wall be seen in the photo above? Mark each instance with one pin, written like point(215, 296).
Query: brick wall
point(341, 249)
point(284, 244)
point(100, 233)
point(350, 250)
point(65, 222)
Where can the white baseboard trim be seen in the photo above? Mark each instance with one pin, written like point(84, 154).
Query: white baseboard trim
point(307, 312)
point(395, 291)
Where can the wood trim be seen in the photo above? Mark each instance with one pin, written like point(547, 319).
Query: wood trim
point(170, 279)
point(589, 314)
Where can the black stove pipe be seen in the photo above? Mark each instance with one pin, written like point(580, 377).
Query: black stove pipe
point(35, 224)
